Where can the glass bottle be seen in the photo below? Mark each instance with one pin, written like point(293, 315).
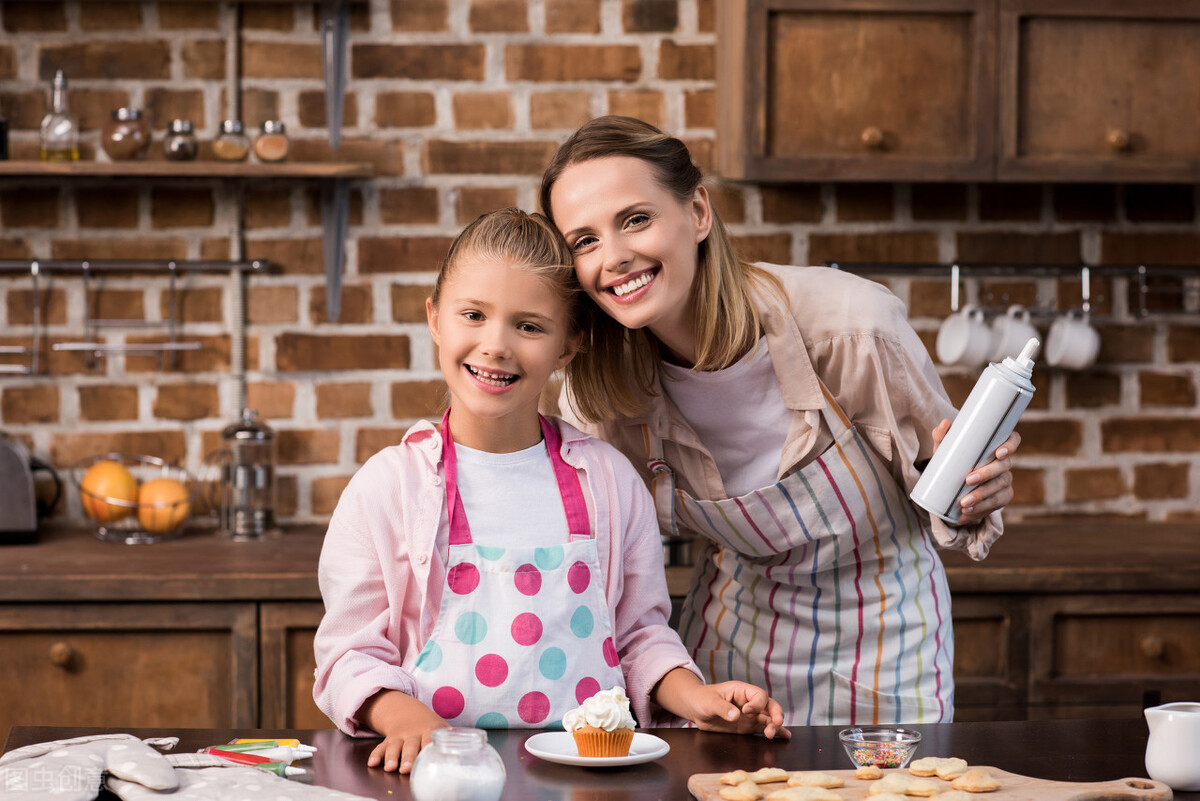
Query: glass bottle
point(231, 143)
point(272, 144)
point(247, 478)
point(180, 142)
point(60, 129)
point(458, 766)
point(126, 136)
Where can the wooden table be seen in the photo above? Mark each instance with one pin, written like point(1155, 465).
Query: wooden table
point(1074, 750)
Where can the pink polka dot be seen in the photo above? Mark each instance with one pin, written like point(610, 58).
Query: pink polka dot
point(585, 689)
point(610, 652)
point(491, 670)
point(533, 707)
point(448, 702)
point(463, 578)
point(578, 577)
point(528, 579)
point(526, 629)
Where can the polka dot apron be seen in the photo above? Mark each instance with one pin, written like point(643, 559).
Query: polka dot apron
point(523, 634)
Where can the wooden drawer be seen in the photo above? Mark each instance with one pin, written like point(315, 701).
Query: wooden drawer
point(287, 666)
point(129, 665)
point(991, 665)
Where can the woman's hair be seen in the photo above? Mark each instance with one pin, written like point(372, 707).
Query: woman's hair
point(529, 241)
point(727, 322)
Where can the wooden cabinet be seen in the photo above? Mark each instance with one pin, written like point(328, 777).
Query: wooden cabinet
point(288, 663)
point(959, 90)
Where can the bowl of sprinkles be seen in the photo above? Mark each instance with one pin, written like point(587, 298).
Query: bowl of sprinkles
point(881, 746)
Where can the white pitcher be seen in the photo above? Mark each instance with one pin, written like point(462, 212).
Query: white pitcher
point(1173, 745)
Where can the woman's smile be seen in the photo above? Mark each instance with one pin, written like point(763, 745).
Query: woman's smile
point(627, 290)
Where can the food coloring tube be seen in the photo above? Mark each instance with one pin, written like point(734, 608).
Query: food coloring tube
point(281, 769)
point(257, 745)
point(240, 757)
point(280, 753)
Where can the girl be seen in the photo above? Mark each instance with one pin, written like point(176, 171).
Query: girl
point(500, 568)
point(782, 415)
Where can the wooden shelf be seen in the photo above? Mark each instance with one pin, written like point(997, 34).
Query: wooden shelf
point(187, 169)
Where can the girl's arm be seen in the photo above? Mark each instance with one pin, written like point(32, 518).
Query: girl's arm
point(731, 706)
point(406, 725)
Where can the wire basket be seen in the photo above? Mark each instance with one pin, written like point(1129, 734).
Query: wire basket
point(133, 499)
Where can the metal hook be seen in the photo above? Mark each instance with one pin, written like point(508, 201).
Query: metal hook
point(1086, 284)
point(954, 276)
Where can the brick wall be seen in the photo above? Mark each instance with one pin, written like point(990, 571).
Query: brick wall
point(458, 105)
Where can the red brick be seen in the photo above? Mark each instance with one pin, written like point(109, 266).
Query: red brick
point(35, 17)
point(1070, 294)
point(342, 400)
point(268, 17)
point(1092, 390)
point(865, 202)
point(445, 157)
point(420, 15)
point(269, 59)
point(686, 62)
point(110, 17)
point(326, 491)
point(145, 59)
point(307, 446)
point(1050, 437)
point(109, 207)
point(342, 352)
point(357, 305)
point(1125, 343)
point(163, 105)
point(212, 355)
point(650, 16)
point(481, 111)
point(419, 399)
point(939, 202)
point(700, 108)
point(1160, 293)
point(771, 248)
point(435, 62)
point(1150, 247)
point(411, 205)
point(25, 405)
point(643, 104)
point(385, 157)
point(1010, 202)
point(928, 299)
point(101, 402)
point(370, 441)
point(498, 16)
point(1150, 434)
point(1156, 482)
point(405, 110)
point(182, 208)
point(1017, 247)
point(892, 247)
point(1029, 486)
point(408, 302)
point(194, 304)
point(1183, 343)
point(258, 105)
point(203, 60)
point(1085, 202)
point(286, 500)
point(310, 109)
point(271, 399)
point(117, 304)
point(8, 63)
point(31, 207)
point(312, 207)
point(53, 306)
point(792, 203)
point(1166, 389)
point(272, 304)
point(415, 254)
point(267, 206)
point(548, 62)
point(473, 201)
point(122, 249)
point(188, 16)
point(290, 256)
point(67, 448)
point(566, 109)
point(1093, 484)
point(729, 201)
point(186, 401)
point(572, 16)
point(1159, 203)
point(1003, 293)
point(706, 16)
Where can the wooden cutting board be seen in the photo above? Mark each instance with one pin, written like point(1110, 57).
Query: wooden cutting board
point(1013, 787)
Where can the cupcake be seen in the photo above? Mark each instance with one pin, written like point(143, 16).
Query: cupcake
point(602, 726)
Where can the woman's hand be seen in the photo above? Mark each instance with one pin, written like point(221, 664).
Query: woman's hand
point(406, 725)
point(732, 706)
point(991, 484)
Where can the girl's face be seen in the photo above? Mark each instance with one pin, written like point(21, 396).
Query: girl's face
point(501, 331)
point(635, 244)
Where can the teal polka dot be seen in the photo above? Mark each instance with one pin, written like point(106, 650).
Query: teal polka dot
point(430, 658)
point(548, 558)
point(491, 720)
point(582, 622)
point(470, 628)
point(554, 725)
point(489, 552)
point(553, 663)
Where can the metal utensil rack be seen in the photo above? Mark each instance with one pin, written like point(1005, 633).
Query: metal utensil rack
point(91, 346)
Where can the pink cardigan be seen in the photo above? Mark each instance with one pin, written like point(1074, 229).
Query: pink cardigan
point(382, 571)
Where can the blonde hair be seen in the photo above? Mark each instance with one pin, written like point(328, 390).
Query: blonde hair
point(727, 322)
point(528, 240)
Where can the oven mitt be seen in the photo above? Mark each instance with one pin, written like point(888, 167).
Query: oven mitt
point(229, 784)
point(70, 770)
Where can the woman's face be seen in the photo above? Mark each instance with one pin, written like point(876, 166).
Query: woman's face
point(635, 245)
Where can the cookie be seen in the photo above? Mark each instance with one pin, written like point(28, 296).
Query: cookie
point(813, 778)
point(868, 772)
point(976, 780)
point(768, 775)
point(925, 788)
point(734, 777)
point(891, 783)
point(744, 791)
point(925, 766)
point(951, 768)
point(803, 794)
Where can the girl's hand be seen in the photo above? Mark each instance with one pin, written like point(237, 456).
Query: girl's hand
point(406, 725)
point(991, 484)
point(738, 708)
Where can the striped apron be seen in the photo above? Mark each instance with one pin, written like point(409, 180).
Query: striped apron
point(823, 588)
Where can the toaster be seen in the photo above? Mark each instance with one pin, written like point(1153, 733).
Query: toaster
point(18, 504)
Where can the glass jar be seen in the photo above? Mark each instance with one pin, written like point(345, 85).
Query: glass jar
point(245, 486)
point(125, 136)
point(231, 143)
point(180, 142)
point(458, 766)
point(272, 144)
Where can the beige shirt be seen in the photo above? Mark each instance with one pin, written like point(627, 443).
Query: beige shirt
point(852, 335)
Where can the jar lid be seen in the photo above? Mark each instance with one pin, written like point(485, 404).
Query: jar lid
point(249, 427)
point(273, 126)
point(126, 114)
point(180, 126)
point(232, 127)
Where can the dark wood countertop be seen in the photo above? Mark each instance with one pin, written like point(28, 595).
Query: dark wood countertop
point(1070, 555)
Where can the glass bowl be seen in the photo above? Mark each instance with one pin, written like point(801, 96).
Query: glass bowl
point(882, 746)
point(133, 499)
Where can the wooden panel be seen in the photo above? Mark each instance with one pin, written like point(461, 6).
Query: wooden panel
point(287, 666)
point(990, 654)
point(186, 665)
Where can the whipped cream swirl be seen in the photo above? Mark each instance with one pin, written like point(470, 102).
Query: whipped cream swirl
point(607, 709)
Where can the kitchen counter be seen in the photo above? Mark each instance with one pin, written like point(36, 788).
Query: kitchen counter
point(1076, 751)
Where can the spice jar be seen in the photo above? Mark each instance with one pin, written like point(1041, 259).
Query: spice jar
point(231, 143)
point(458, 766)
point(125, 136)
point(180, 142)
point(272, 144)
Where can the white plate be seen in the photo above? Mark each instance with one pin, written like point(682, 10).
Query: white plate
point(559, 746)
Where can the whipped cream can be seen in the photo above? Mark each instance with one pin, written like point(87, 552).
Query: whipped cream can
point(989, 415)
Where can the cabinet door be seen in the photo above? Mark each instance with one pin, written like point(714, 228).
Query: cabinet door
point(991, 664)
point(129, 665)
point(870, 89)
point(288, 664)
point(1100, 90)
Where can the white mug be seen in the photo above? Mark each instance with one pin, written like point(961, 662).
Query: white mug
point(1010, 333)
point(965, 338)
point(1073, 342)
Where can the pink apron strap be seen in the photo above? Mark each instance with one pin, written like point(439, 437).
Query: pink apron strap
point(460, 532)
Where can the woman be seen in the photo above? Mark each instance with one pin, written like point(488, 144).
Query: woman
point(781, 414)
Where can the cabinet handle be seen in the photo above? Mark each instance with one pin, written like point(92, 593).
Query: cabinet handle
point(1118, 140)
point(872, 137)
point(1153, 647)
point(61, 655)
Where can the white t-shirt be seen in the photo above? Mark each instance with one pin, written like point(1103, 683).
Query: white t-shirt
point(739, 415)
point(511, 498)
